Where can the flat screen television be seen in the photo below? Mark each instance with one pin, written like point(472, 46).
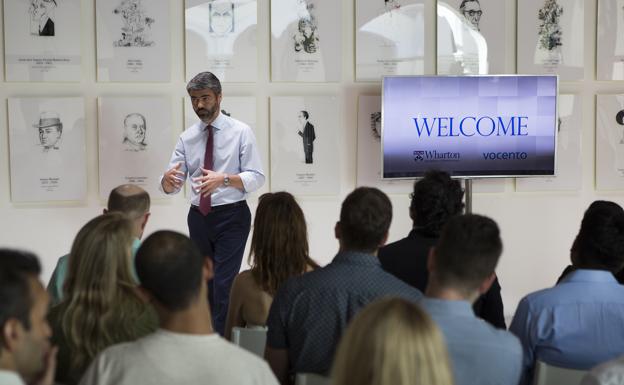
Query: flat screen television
point(469, 126)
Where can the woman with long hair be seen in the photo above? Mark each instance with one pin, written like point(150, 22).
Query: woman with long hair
point(392, 341)
point(279, 250)
point(101, 306)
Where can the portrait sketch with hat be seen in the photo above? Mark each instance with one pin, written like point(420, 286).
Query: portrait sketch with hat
point(50, 130)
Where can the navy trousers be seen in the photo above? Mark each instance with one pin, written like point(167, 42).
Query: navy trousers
point(221, 235)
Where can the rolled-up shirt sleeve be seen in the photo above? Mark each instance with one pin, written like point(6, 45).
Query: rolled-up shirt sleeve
point(178, 156)
point(251, 174)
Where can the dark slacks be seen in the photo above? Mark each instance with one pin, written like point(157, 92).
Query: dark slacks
point(222, 235)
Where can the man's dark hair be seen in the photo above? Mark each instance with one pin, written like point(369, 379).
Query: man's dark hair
point(600, 241)
point(305, 114)
point(169, 266)
point(436, 198)
point(467, 252)
point(130, 200)
point(463, 3)
point(365, 219)
point(204, 80)
point(16, 300)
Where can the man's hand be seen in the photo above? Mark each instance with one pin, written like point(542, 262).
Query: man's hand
point(47, 375)
point(208, 182)
point(173, 179)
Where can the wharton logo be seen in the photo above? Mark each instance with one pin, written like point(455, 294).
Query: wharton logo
point(434, 156)
point(472, 125)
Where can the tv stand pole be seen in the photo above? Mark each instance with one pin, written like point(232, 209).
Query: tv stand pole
point(468, 195)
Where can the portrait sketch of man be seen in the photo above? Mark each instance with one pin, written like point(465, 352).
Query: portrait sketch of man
point(471, 10)
point(375, 120)
point(42, 17)
point(306, 131)
point(221, 18)
point(50, 130)
point(306, 38)
point(136, 24)
point(550, 31)
point(134, 132)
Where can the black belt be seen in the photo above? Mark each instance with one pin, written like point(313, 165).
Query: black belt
point(222, 207)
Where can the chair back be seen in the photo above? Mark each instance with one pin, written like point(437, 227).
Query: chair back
point(311, 379)
point(553, 375)
point(251, 339)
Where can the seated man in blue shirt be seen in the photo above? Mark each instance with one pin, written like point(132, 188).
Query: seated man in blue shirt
point(461, 268)
point(309, 313)
point(578, 323)
point(129, 199)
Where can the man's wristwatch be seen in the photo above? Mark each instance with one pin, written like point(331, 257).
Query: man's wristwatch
point(226, 180)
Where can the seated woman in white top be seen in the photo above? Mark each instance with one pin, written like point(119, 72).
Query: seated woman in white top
point(279, 250)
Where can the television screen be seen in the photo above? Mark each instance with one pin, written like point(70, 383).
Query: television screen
point(469, 126)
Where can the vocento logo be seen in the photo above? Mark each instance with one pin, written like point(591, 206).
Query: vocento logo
point(434, 155)
point(505, 155)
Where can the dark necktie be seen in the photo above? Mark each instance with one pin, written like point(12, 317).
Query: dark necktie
point(205, 201)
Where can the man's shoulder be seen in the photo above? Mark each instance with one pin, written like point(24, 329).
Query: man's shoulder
point(191, 131)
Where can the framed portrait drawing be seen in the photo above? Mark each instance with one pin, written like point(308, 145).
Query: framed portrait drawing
point(42, 40)
point(610, 142)
point(306, 40)
point(610, 40)
point(133, 40)
point(304, 145)
point(241, 108)
point(47, 149)
point(369, 148)
point(471, 37)
point(550, 38)
point(221, 38)
point(135, 142)
point(389, 38)
point(569, 151)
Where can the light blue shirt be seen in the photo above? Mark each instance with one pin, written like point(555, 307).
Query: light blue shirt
point(55, 285)
point(234, 152)
point(576, 324)
point(480, 354)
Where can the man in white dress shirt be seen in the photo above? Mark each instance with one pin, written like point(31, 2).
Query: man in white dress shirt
point(220, 155)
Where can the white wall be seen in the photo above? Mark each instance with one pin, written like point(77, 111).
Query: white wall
point(538, 228)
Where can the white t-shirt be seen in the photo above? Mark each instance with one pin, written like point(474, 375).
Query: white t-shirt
point(172, 358)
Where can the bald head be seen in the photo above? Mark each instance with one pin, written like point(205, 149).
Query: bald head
point(133, 201)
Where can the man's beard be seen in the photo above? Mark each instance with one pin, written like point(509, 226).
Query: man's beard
point(206, 115)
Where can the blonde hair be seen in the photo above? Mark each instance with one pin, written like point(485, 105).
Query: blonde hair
point(392, 341)
point(100, 304)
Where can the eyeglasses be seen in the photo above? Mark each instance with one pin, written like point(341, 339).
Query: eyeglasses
point(473, 12)
point(202, 99)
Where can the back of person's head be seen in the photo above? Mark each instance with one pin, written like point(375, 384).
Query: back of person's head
point(435, 199)
point(467, 252)
point(364, 220)
point(99, 281)
point(24, 331)
point(170, 266)
point(600, 241)
point(133, 201)
point(279, 244)
point(392, 341)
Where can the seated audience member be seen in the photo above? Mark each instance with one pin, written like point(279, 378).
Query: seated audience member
point(577, 323)
point(608, 208)
point(279, 247)
point(608, 373)
point(101, 305)
point(185, 350)
point(436, 198)
point(309, 313)
point(128, 199)
point(25, 352)
point(461, 267)
point(392, 341)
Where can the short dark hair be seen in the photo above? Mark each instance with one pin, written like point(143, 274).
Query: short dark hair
point(463, 3)
point(600, 241)
point(204, 80)
point(365, 218)
point(467, 251)
point(435, 199)
point(16, 300)
point(134, 114)
point(169, 266)
point(129, 199)
point(305, 114)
